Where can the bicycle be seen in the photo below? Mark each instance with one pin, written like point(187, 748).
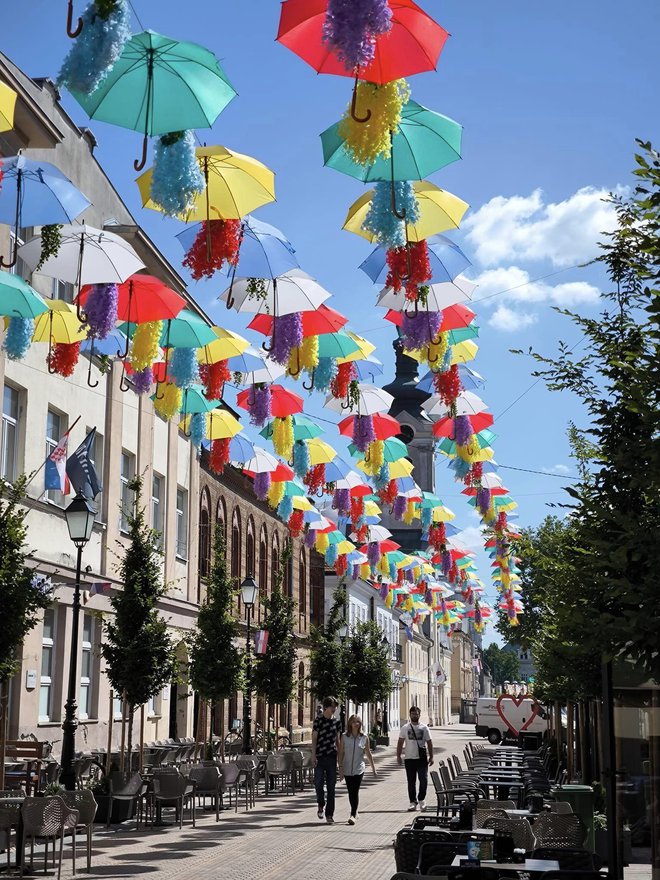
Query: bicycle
point(234, 739)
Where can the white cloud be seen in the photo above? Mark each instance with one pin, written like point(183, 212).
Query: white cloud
point(514, 284)
point(470, 538)
point(527, 228)
point(559, 468)
point(509, 320)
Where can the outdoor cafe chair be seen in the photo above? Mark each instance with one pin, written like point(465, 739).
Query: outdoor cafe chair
point(124, 787)
point(249, 767)
point(559, 830)
point(46, 818)
point(484, 812)
point(83, 802)
point(208, 783)
point(492, 802)
point(174, 790)
point(279, 766)
point(231, 778)
point(562, 807)
point(519, 829)
point(9, 817)
point(438, 852)
point(407, 845)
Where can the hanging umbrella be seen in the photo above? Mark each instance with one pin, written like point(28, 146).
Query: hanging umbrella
point(337, 470)
point(317, 323)
point(283, 402)
point(424, 143)
point(108, 347)
point(235, 185)
point(439, 296)
point(7, 105)
point(447, 261)
point(368, 368)
point(249, 361)
point(36, 193)
point(227, 347)
point(439, 211)
point(240, 449)
point(470, 380)
point(463, 352)
point(399, 468)
point(466, 404)
point(371, 400)
point(268, 372)
point(444, 427)
point(320, 452)
point(365, 348)
point(58, 325)
point(483, 440)
point(375, 533)
point(261, 462)
point(221, 424)
point(393, 450)
point(294, 291)
point(159, 85)
point(385, 426)
point(18, 299)
point(187, 330)
point(303, 429)
point(337, 345)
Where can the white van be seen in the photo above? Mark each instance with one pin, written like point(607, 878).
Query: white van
point(512, 717)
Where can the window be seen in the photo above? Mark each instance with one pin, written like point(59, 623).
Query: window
point(250, 563)
point(302, 588)
point(263, 568)
point(221, 518)
point(127, 474)
point(54, 429)
point(236, 561)
point(204, 537)
point(9, 433)
point(47, 665)
point(274, 562)
point(152, 706)
point(86, 668)
point(181, 523)
point(63, 290)
point(117, 706)
point(20, 268)
point(301, 694)
point(157, 507)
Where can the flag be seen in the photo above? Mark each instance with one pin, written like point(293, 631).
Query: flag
point(55, 474)
point(103, 587)
point(440, 676)
point(260, 641)
point(81, 471)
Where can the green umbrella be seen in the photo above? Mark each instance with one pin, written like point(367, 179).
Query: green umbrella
point(303, 429)
point(484, 438)
point(187, 330)
point(337, 345)
point(425, 142)
point(463, 333)
point(18, 299)
point(393, 450)
point(160, 85)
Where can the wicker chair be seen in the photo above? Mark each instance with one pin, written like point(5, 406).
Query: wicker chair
point(46, 818)
point(82, 801)
point(174, 790)
point(570, 859)
point(9, 818)
point(208, 783)
point(560, 831)
point(519, 829)
point(407, 845)
point(438, 852)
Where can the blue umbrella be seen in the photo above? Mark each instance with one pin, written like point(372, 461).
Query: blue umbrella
point(336, 470)
point(115, 341)
point(36, 194)
point(470, 380)
point(241, 449)
point(246, 362)
point(265, 252)
point(368, 368)
point(446, 258)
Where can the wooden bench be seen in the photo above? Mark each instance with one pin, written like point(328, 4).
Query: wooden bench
point(30, 753)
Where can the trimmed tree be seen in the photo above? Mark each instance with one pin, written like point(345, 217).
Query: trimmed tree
point(327, 669)
point(504, 665)
point(140, 656)
point(273, 673)
point(216, 664)
point(22, 594)
point(368, 676)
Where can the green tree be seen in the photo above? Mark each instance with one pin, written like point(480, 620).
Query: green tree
point(216, 664)
point(327, 669)
point(139, 653)
point(273, 672)
point(22, 595)
point(504, 665)
point(368, 676)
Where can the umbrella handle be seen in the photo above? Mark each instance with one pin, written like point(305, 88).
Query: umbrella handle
point(49, 357)
point(429, 358)
point(354, 105)
point(10, 262)
point(401, 215)
point(70, 30)
point(89, 368)
point(295, 373)
point(230, 298)
point(122, 355)
point(272, 342)
point(346, 405)
point(414, 312)
point(139, 164)
point(310, 387)
point(82, 316)
point(167, 362)
point(123, 382)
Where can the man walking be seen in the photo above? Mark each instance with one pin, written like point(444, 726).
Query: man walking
point(325, 746)
point(416, 738)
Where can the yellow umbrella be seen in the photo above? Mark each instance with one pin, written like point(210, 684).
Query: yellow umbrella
point(345, 547)
point(464, 351)
point(220, 424)
point(371, 508)
point(365, 349)
point(320, 452)
point(400, 468)
point(235, 185)
point(439, 210)
point(60, 324)
point(227, 345)
point(442, 514)
point(7, 106)
point(301, 503)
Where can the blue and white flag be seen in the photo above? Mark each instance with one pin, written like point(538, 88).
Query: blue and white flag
point(81, 471)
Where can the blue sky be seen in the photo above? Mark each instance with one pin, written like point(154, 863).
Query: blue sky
point(551, 98)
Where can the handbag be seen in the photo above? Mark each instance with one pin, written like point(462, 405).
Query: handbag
point(421, 750)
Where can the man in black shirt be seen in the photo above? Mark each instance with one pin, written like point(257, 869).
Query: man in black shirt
point(325, 745)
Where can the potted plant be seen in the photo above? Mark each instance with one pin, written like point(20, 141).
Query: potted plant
point(600, 837)
point(53, 789)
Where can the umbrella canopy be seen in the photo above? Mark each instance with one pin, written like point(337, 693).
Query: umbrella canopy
point(59, 324)
point(40, 192)
point(424, 143)
point(115, 341)
point(187, 331)
point(337, 345)
point(143, 298)
point(7, 105)
point(444, 427)
point(365, 348)
point(160, 85)
point(385, 426)
point(193, 400)
point(261, 462)
point(466, 404)
point(320, 452)
point(283, 402)
point(463, 352)
point(393, 449)
point(337, 470)
point(18, 299)
point(439, 296)
point(249, 361)
point(368, 368)
point(317, 323)
point(412, 45)
point(470, 380)
point(265, 252)
point(296, 291)
point(399, 468)
point(303, 429)
point(86, 256)
point(371, 400)
point(375, 533)
point(240, 448)
point(268, 372)
point(227, 345)
point(235, 185)
point(446, 259)
point(482, 441)
point(439, 210)
point(220, 424)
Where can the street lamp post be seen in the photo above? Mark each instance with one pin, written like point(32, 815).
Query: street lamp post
point(249, 591)
point(80, 520)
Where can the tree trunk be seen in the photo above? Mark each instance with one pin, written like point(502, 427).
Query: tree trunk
point(129, 745)
point(222, 731)
point(141, 762)
point(122, 763)
point(4, 706)
point(570, 741)
point(111, 712)
point(559, 732)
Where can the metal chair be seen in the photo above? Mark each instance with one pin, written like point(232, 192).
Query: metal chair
point(83, 802)
point(231, 778)
point(438, 852)
point(561, 807)
point(519, 829)
point(279, 766)
point(46, 818)
point(208, 783)
point(9, 818)
point(560, 831)
point(482, 813)
point(407, 845)
point(249, 767)
point(174, 790)
point(502, 805)
point(123, 787)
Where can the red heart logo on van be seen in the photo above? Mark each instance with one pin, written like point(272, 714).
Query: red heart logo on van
point(508, 708)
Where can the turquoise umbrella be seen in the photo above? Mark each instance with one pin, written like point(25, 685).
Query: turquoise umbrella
point(303, 429)
point(337, 345)
point(187, 330)
point(18, 299)
point(159, 85)
point(425, 142)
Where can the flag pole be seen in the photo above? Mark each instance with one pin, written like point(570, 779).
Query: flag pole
point(43, 464)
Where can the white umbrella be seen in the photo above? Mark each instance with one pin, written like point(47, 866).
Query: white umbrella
point(439, 297)
point(491, 481)
point(86, 256)
point(375, 533)
point(372, 400)
point(261, 462)
point(351, 481)
point(295, 291)
point(467, 404)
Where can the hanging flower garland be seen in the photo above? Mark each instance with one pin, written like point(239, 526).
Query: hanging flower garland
point(256, 289)
point(169, 405)
point(381, 222)
point(326, 371)
point(341, 501)
point(399, 507)
point(183, 367)
point(197, 429)
point(448, 385)
point(219, 456)
point(261, 484)
point(388, 493)
point(213, 377)
point(51, 240)
point(437, 536)
point(346, 373)
point(309, 354)
point(409, 268)
point(356, 511)
point(314, 479)
point(259, 405)
point(462, 430)
point(287, 334)
point(300, 459)
point(438, 353)
point(331, 555)
point(101, 310)
point(176, 178)
point(18, 338)
point(285, 508)
point(143, 380)
point(275, 493)
point(282, 436)
point(363, 432)
point(63, 358)
point(145, 348)
point(216, 242)
point(341, 565)
point(106, 28)
point(350, 29)
point(296, 524)
point(419, 330)
point(365, 142)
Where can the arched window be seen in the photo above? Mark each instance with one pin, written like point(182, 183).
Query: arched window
point(221, 518)
point(250, 556)
point(287, 585)
point(302, 589)
point(263, 569)
point(274, 561)
point(316, 588)
point(236, 561)
point(204, 535)
point(301, 695)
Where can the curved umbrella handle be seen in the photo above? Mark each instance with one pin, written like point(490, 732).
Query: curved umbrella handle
point(70, 30)
point(139, 164)
point(346, 404)
point(354, 105)
point(89, 368)
point(10, 261)
point(414, 312)
point(295, 373)
point(401, 215)
point(49, 357)
point(429, 358)
point(310, 387)
point(123, 382)
point(82, 316)
point(167, 362)
point(123, 355)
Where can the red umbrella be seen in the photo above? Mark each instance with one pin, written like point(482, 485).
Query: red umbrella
point(386, 546)
point(281, 474)
point(384, 426)
point(413, 44)
point(322, 320)
point(284, 402)
point(445, 427)
point(453, 317)
point(496, 490)
point(143, 298)
point(159, 371)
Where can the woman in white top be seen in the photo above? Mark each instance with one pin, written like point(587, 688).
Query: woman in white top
point(353, 749)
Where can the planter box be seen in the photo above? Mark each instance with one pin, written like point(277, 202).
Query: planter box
point(600, 837)
point(122, 811)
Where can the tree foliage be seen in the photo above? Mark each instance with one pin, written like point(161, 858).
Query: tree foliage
point(368, 676)
point(273, 672)
point(504, 665)
point(216, 663)
point(327, 669)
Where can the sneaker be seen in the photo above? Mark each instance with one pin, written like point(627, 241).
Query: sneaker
point(329, 820)
point(351, 820)
point(422, 806)
point(412, 807)
point(319, 812)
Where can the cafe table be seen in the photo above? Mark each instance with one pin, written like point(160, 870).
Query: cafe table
point(529, 866)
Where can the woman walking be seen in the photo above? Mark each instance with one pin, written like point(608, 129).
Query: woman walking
point(353, 749)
